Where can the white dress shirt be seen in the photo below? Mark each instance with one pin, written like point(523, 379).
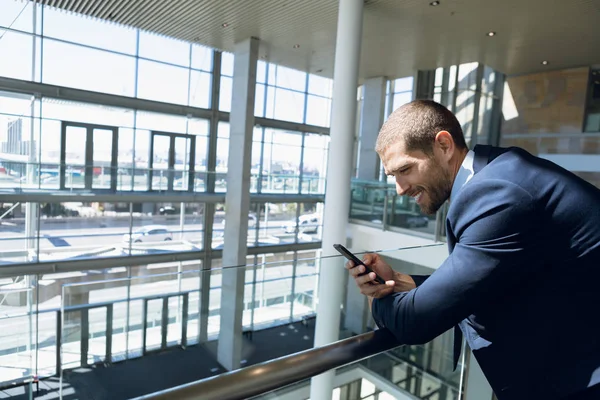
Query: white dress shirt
point(465, 173)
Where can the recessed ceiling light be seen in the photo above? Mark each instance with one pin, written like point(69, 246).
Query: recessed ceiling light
point(225, 25)
point(491, 33)
point(296, 46)
point(544, 62)
point(434, 3)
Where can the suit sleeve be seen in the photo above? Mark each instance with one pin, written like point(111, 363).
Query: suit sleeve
point(495, 250)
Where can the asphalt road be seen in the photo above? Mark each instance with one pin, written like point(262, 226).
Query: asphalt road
point(74, 235)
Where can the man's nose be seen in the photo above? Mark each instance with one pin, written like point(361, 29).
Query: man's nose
point(401, 188)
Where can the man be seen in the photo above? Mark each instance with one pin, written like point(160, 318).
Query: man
point(523, 275)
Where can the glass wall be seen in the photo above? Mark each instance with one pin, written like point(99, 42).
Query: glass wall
point(62, 144)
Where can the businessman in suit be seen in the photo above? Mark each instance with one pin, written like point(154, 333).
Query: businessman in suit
point(522, 281)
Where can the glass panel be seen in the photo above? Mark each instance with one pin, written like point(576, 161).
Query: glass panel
point(202, 57)
point(315, 163)
point(200, 89)
point(16, 47)
point(160, 161)
point(318, 111)
point(17, 15)
point(162, 82)
point(165, 49)
point(55, 109)
point(289, 106)
point(89, 31)
point(102, 158)
point(75, 151)
point(290, 79)
point(227, 64)
point(161, 122)
point(319, 85)
point(222, 157)
point(261, 71)
point(89, 69)
point(259, 102)
point(225, 94)
point(404, 84)
point(182, 163)
point(401, 99)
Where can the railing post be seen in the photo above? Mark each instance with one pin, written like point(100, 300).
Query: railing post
point(184, 319)
point(109, 333)
point(58, 341)
point(164, 323)
point(85, 336)
point(144, 325)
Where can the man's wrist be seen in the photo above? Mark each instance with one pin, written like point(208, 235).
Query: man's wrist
point(403, 282)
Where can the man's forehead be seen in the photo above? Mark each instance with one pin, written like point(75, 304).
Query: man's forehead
point(396, 156)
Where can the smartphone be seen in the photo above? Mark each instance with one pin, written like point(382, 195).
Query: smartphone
point(346, 253)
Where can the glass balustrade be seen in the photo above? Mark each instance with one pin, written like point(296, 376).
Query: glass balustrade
point(59, 322)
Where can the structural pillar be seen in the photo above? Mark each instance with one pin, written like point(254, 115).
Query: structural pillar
point(372, 116)
point(237, 203)
point(337, 193)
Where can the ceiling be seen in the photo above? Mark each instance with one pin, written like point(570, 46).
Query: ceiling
point(399, 36)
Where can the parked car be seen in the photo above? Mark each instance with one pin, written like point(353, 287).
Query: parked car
point(149, 233)
point(306, 224)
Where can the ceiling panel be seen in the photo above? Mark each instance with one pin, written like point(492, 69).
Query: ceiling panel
point(399, 36)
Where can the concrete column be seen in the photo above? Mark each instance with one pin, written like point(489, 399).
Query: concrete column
point(237, 202)
point(373, 109)
point(337, 194)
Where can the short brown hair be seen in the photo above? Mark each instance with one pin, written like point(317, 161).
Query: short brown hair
point(418, 123)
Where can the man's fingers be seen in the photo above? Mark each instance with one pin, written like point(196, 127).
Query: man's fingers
point(357, 271)
point(364, 279)
point(349, 265)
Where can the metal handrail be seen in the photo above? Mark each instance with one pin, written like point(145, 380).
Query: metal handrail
point(271, 375)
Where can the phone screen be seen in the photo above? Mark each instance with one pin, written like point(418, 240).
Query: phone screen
point(346, 253)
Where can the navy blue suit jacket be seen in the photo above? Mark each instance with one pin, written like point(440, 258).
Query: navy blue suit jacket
point(522, 280)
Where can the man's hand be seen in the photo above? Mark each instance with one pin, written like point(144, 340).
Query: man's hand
point(394, 281)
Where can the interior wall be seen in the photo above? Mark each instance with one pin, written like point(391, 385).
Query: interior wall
point(545, 112)
point(546, 102)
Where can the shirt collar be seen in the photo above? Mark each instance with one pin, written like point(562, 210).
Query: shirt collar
point(465, 173)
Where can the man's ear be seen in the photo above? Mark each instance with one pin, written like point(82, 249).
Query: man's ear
point(444, 143)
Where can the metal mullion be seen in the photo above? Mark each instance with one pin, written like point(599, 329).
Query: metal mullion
point(114, 159)
point(151, 162)
point(58, 342)
point(293, 293)
point(184, 319)
point(164, 323)
point(85, 336)
point(253, 299)
point(144, 325)
point(211, 159)
point(171, 163)
point(192, 164)
point(89, 158)
point(109, 333)
point(62, 168)
point(301, 167)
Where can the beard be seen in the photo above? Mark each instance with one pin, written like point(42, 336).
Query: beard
point(438, 189)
